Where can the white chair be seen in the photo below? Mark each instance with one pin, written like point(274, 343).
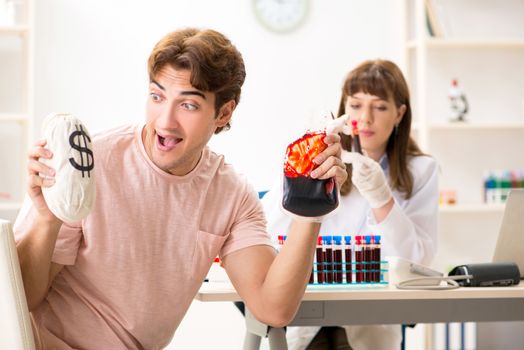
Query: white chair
point(15, 324)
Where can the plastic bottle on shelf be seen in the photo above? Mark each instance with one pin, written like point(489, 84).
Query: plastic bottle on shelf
point(490, 185)
point(505, 186)
point(458, 102)
point(498, 187)
point(515, 181)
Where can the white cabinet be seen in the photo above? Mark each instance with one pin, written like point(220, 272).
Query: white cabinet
point(15, 101)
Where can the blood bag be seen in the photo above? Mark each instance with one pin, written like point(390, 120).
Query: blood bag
point(303, 195)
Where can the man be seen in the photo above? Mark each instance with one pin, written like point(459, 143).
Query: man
point(166, 205)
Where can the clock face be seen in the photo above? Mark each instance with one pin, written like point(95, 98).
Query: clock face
point(281, 15)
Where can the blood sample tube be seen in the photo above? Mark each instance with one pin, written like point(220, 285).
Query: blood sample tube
point(374, 267)
point(358, 259)
point(348, 259)
point(319, 265)
point(337, 258)
point(355, 144)
point(312, 274)
point(377, 258)
point(368, 261)
point(328, 259)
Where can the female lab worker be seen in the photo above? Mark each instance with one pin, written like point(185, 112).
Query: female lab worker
point(392, 191)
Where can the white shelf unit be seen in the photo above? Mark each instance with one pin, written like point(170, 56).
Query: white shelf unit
point(16, 106)
point(14, 29)
point(485, 126)
point(483, 47)
point(489, 68)
point(471, 209)
point(16, 117)
point(473, 43)
point(14, 206)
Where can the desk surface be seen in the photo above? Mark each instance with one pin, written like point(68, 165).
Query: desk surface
point(223, 291)
point(388, 305)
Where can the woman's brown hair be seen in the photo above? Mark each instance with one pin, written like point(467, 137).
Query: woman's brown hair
point(215, 64)
point(383, 78)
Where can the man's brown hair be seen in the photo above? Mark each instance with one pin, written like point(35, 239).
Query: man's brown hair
point(214, 62)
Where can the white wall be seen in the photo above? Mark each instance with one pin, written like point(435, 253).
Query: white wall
point(91, 58)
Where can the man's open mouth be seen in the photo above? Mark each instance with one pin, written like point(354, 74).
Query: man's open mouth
point(167, 143)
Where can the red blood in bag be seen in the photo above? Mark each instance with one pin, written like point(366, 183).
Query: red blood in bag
point(300, 154)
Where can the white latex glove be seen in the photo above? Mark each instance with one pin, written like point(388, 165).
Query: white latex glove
point(338, 125)
point(369, 178)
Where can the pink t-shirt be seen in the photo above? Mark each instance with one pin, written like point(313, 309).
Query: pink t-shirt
point(134, 265)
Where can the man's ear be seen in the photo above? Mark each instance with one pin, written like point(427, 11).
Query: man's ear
point(225, 113)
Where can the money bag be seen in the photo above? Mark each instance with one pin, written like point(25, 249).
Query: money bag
point(72, 196)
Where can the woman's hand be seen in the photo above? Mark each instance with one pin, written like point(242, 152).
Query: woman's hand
point(369, 178)
point(36, 181)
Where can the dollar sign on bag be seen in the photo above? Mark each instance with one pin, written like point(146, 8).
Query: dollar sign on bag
point(89, 161)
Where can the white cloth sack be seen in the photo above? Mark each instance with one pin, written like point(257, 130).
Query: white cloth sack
point(72, 196)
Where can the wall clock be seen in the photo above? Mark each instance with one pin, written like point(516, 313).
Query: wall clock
point(281, 16)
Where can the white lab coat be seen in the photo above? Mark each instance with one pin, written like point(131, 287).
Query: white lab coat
point(409, 231)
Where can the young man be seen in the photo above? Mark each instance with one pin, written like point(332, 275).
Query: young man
point(166, 205)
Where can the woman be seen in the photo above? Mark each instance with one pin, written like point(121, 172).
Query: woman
point(392, 190)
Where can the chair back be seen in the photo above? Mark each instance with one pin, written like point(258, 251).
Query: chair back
point(15, 324)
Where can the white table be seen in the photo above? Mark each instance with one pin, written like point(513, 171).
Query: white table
point(339, 306)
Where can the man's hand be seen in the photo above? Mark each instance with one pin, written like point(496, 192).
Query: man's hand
point(329, 162)
point(35, 169)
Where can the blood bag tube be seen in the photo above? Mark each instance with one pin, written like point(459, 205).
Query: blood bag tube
point(337, 258)
point(328, 258)
point(319, 266)
point(358, 259)
point(347, 259)
point(377, 258)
